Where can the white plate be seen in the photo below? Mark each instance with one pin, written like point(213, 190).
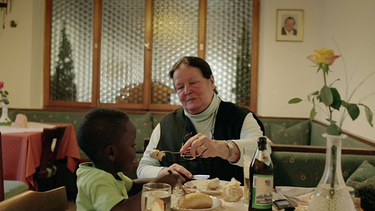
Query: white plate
point(202, 186)
point(216, 203)
point(201, 176)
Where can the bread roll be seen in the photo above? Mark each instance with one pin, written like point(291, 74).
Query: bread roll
point(232, 194)
point(213, 184)
point(195, 201)
point(21, 121)
point(232, 191)
point(157, 154)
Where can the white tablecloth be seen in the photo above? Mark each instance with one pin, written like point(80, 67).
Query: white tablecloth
point(294, 192)
point(32, 127)
point(288, 191)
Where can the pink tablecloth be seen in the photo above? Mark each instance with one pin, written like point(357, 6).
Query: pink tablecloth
point(22, 153)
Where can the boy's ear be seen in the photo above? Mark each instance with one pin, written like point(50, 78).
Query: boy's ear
point(109, 152)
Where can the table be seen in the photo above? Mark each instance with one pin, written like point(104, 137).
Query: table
point(299, 195)
point(22, 151)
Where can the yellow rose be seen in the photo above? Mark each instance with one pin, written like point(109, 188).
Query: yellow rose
point(323, 56)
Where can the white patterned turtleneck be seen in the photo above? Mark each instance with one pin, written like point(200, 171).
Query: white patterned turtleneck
point(202, 121)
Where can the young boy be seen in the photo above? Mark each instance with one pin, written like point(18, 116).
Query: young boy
point(107, 136)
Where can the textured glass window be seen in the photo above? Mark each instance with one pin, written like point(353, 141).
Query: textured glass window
point(122, 48)
point(122, 51)
point(175, 34)
point(71, 50)
point(229, 28)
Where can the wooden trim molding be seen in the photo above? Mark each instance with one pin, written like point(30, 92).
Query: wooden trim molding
point(202, 23)
point(147, 87)
point(96, 54)
point(320, 149)
point(254, 80)
point(47, 52)
point(349, 134)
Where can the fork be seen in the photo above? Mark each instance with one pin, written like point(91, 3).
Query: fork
point(179, 183)
point(166, 151)
point(189, 157)
point(184, 156)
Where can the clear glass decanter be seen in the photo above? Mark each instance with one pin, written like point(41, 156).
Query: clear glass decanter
point(332, 193)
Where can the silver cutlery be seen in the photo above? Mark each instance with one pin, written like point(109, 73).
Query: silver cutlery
point(184, 156)
point(166, 151)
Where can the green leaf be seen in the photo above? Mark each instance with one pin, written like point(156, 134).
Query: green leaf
point(336, 99)
point(319, 68)
point(369, 114)
point(325, 68)
point(312, 113)
point(352, 108)
point(326, 96)
point(295, 100)
point(334, 82)
point(312, 94)
point(333, 129)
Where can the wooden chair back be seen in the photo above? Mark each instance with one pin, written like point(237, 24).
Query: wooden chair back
point(51, 140)
point(30, 200)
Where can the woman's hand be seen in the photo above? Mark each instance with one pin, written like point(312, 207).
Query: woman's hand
point(177, 169)
point(169, 178)
point(201, 145)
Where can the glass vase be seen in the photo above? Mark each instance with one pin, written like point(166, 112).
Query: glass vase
point(4, 119)
point(332, 194)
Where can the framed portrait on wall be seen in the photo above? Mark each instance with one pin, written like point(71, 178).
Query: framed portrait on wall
point(289, 25)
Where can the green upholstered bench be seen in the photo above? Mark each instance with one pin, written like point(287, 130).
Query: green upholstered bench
point(304, 168)
point(13, 187)
point(298, 152)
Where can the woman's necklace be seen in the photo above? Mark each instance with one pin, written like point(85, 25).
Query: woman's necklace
point(209, 123)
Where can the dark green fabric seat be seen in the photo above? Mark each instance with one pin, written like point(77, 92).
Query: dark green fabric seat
point(291, 168)
point(12, 188)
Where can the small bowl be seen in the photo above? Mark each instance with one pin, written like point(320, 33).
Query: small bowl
point(201, 176)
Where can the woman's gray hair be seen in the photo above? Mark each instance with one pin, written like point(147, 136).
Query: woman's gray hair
point(193, 61)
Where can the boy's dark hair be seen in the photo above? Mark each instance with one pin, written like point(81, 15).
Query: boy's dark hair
point(101, 127)
point(366, 193)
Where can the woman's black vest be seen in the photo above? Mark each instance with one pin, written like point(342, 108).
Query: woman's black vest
point(175, 126)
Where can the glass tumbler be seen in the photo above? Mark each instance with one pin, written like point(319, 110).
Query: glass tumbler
point(156, 196)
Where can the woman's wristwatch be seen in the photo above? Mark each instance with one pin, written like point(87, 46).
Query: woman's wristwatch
point(230, 147)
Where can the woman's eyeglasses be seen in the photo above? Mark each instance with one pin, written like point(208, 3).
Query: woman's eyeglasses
point(187, 156)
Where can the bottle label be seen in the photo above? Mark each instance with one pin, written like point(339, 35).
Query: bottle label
point(264, 157)
point(262, 191)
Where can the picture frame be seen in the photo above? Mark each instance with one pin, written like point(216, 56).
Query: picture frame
point(289, 25)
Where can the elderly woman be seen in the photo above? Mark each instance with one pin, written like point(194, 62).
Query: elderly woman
point(212, 131)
